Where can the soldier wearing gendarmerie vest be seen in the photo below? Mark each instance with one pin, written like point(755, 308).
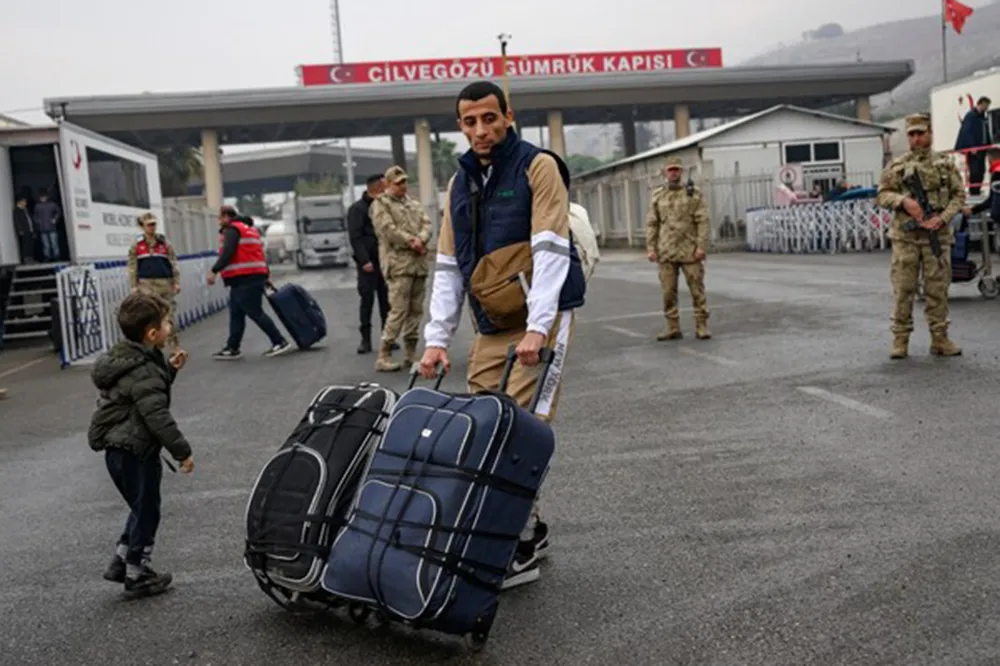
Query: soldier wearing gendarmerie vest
point(911, 249)
point(153, 267)
point(523, 200)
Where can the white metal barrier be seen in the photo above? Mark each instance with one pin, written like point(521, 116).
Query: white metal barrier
point(841, 226)
point(89, 295)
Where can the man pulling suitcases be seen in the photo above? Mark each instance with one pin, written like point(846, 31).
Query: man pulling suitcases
point(505, 244)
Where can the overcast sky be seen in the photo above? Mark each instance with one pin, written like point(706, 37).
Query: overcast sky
point(89, 47)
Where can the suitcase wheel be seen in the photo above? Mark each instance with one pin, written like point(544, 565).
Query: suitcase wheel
point(359, 613)
point(475, 640)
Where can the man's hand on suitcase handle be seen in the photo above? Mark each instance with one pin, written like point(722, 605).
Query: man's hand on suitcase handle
point(431, 358)
point(528, 349)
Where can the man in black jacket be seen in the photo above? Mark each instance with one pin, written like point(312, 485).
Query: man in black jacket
point(364, 242)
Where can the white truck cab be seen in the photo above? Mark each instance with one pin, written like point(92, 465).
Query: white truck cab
point(321, 230)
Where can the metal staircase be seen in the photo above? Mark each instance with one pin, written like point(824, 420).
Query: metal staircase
point(32, 295)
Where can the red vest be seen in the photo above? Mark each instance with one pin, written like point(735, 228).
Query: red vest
point(152, 263)
point(249, 258)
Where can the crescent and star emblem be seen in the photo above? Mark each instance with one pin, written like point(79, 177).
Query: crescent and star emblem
point(696, 58)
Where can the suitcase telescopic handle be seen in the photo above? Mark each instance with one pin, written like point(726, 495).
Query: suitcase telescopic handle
point(415, 372)
point(545, 357)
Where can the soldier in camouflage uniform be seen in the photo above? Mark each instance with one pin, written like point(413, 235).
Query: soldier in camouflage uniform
point(153, 267)
point(911, 249)
point(403, 231)
point(677, 238)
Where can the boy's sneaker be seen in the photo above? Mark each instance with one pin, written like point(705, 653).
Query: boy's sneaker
point(227, 354)
point(523, 568)
point(148, 582)
point(279, 349)
point(115, 571)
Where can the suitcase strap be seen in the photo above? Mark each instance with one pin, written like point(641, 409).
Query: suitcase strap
point(453, 471)
point(455, 564)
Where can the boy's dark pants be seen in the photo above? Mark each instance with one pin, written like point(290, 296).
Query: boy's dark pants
point(138, 481)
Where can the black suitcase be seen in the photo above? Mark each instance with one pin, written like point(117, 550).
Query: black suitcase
point(301, 496)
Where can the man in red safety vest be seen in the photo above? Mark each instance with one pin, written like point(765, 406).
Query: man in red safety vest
point(244, 270)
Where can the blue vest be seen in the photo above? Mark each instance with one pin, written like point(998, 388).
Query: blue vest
point(504, 216)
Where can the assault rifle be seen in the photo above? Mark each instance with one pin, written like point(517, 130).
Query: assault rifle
point(913, 183)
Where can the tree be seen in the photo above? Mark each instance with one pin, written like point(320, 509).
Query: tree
point(444, 156)
point(582, 163)
point(324, 184)
point(179, 165)
point(645, 138)
point(255, 206)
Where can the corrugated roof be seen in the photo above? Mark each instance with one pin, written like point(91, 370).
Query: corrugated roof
point(698, 137)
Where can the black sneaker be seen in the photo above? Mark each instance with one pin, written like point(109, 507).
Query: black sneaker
point(148, 582)
point(115, 571)
point(279, 349)
point(227, 354)
point(540, 540)
point(523, 568)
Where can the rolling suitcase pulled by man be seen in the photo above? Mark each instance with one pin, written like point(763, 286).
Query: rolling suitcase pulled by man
point(299, 313)
point(301, 496)
point(438, 513)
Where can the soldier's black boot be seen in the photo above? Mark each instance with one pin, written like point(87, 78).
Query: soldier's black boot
point(366, 342)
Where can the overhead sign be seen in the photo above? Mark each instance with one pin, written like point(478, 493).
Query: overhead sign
point(565, 64)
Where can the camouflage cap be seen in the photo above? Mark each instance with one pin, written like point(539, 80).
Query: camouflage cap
point(395, 174)
point(674, 163)
point(918, 122)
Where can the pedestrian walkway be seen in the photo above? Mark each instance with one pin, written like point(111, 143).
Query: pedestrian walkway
point(780, 494)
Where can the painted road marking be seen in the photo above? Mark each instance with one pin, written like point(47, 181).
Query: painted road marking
point(844, 401)
point(625, 331)
point(23, 366)
point(708, 357)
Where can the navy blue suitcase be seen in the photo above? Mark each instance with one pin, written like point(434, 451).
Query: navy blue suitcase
point(299, 313)
point(438, 513)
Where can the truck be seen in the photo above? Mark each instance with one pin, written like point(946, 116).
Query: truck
point(101, 185)
point(320, 223)
point(951, 101)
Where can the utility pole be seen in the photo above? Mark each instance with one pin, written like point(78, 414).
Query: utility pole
point(338, 58)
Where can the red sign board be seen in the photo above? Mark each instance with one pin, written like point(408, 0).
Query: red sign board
point(527, 65)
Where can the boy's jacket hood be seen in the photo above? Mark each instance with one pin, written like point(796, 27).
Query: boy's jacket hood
point(121, 359)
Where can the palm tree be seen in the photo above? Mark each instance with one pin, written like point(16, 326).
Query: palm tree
point(179, 165)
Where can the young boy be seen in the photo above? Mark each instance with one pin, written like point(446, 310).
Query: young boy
point(131, 424)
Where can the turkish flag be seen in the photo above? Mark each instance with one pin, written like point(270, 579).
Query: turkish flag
point(956, 13)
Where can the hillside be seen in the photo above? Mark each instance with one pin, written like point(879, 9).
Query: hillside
point(918, 39)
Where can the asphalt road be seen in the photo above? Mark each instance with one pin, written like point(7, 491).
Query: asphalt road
point(780, 494)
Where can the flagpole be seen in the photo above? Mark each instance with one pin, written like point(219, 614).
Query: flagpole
point(504, 37)
point(944, 40)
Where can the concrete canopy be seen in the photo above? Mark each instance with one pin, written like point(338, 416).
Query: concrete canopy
point(153, 120)
point(277, 169)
